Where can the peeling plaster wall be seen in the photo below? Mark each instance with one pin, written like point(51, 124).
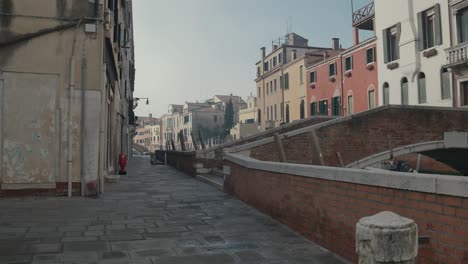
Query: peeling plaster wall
point(36, 76)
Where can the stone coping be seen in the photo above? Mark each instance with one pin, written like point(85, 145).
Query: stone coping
point(337, 121)
point(427, 183)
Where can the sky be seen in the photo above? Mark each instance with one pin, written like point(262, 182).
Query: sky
point(191, 50)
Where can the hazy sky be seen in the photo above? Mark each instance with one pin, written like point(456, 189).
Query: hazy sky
point(188, 50)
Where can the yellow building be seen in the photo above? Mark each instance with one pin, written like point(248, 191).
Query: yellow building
point(278, 82)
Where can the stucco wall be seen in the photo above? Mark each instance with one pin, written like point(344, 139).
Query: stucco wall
point(411, 62)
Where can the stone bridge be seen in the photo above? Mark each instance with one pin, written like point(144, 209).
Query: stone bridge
point(370, 137)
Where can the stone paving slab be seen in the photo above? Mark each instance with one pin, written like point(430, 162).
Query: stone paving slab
point(154, 214)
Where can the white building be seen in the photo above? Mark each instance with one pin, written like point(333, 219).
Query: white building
point(457, 55)
point(412, 36)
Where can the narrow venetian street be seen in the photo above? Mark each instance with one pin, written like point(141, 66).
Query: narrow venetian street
point(154, 214)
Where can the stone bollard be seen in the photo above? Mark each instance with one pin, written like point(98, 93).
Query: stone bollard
point(386, 238)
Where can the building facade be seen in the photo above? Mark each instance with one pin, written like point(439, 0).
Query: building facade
point(67, 79)
point(412, 38)
point(457, 54)
point(276, 73)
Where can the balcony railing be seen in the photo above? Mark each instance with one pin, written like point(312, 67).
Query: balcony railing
point(361, 15)
point(457, 54)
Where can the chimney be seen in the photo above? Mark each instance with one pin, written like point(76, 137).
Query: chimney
point(150, 115)
point(355, 36)
point(325, 55)
point(336, 43)
point(294, 54)
point(275, 47)
point(263, 49)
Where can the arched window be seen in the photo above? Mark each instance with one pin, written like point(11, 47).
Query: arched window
point(422, 98)
point(445, 84)
point(386, 93)
point(287, 113)
point(313, 108)
point(302, 109)
point(404, 91)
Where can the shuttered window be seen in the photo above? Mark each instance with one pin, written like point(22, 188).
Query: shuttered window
point(404, 91)
point(429, 28)
point(391, 40)
point(422, 98)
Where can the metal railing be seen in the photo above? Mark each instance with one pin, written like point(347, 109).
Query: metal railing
point(457, 54)
point(364, 13)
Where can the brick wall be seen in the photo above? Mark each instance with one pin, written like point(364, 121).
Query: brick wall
point(326, 211)
point(368, 133)
point(182, 161)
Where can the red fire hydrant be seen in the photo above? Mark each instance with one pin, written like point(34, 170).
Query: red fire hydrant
point(123, 164)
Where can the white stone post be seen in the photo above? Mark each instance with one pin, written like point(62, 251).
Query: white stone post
point(386, 238)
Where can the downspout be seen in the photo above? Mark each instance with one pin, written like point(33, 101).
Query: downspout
point(342, 84)
point(71, 86)
point(83, 124)
point(417, 69)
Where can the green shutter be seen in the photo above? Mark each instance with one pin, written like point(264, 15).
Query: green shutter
point(438, 25)
point(397, 51)
point(421, 31)
point(385, 44)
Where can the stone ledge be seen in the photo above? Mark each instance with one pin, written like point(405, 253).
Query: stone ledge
point(428, 183)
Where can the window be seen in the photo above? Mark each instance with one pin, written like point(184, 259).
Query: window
point(349, 63)
point(215, 119)
point(370, 55)
point(391, 40)
point(350, 105)
point(404, 91)
point(281, 82)
point(462, 21)
point(386, 94)
point(268, 87)
point(323, 107)
point(336, 108)
point(422, 99)
point(287, 113)
point(258, 72)
point(279, 58)
point(259, 92)
point(312, 77)
point(313, 109)
point(259, 113)
point(268, 113)
point(274, 62)
point(275, 84)
point(282, 111)
point(271, 86)
point(464, 93)
point(302, 109)
point(371, 99)
point(276, 117)
point(271, 112)
point(332, 69)
point(429, 26)
point(445, 84)
point(301, 74)
point(286, 81)
point(186, 119)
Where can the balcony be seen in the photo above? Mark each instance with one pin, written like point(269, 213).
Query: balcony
point(457, 55)
point(364, 18)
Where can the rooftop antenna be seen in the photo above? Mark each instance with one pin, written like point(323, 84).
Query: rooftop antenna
point(352, 11)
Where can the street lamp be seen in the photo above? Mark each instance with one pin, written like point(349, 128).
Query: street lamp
point(136, 99)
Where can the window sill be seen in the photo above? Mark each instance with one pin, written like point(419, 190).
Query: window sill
point(392, 65)
point(370, 66)
point(332, 78)
point(348, 73)
point(429, 52)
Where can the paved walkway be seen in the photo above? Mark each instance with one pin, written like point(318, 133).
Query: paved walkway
point(154, 215)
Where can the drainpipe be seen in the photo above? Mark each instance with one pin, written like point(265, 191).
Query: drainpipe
point(71, 86)
point(417, 69)
point(83, 124)
point(342, 84)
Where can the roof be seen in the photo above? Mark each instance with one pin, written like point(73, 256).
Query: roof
point(235, 98)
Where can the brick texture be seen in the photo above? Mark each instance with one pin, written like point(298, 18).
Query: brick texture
point(326, 212)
